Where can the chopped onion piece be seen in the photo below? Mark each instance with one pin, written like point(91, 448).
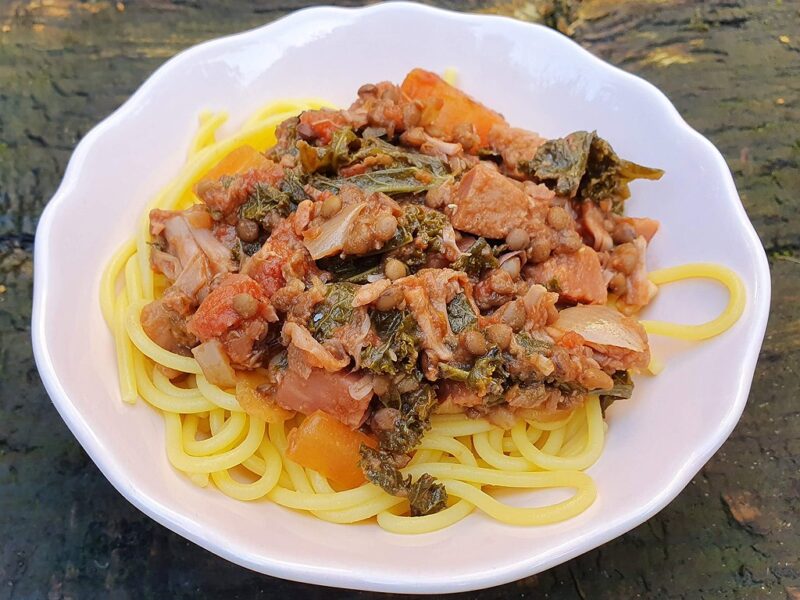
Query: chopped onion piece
point(332, 233)
point(601, 325)
point(359, 389)
point(215, 363)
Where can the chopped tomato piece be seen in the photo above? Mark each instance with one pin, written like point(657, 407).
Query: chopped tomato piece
point(217, 313)
point(324, 444)
point(322, 123)
point(445, 107)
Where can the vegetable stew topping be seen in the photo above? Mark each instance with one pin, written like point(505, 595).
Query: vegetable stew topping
point(409, 254)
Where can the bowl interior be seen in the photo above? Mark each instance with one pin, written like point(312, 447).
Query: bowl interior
point(538, 80)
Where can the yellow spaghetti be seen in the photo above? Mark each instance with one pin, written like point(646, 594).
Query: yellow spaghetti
point(211, 439)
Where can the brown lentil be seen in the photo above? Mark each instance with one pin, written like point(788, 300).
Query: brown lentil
point(569, 241)
point(518, 239)
point(245, 305)
point(623, 232)
point(499, 334)
point(595, 379)
point(558, 218)
point(625, 258)
point(331, 206)
point(406, 384)
point(395, 269)
point(368, 89)
point(618, 285)
point(247, 230)
point(380, 385)
point(475, 342)
point(539, 250)
point(389, 299)
point(386, 226)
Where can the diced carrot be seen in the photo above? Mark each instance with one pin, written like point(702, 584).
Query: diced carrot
point(445, 107)
point(324, 444)
point(256, 403)
point(243, 159)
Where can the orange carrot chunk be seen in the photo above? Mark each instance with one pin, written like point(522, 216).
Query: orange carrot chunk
point(241, 160)
point(324, 444)
point(445, 107)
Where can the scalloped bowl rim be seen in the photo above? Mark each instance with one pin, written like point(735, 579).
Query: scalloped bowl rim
point(216, 543)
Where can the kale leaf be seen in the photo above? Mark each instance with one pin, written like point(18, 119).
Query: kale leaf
point(478, 258)
point(533, 345)
point(425, 495)
point(353, 269)
point(315, 159)
point(460, 313)
point(561, 163)
point(425, 226)
point(333, 312)
point(292, 184)
point(487, 376)
point(397, 156)
point(420, 231)
point(584, 166)
point(398, 350)
point(263, 200)
point(414, 420)
point(622, 390)
point(453, 372)
point(394, 180)
point(380, 468)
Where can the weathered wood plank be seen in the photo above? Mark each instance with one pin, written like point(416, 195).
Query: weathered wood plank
point(732, 533)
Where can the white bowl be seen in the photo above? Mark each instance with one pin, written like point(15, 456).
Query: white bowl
point(539, 80)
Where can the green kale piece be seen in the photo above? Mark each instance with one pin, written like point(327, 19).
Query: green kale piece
point(622, 390)
point(414, 420)
point(399, 347)
point(353, 269)
point(333, 312)
point(460, 313)
point(419, 232)
point(380, 468)
point(425, 495)
point(264, 200)
point(315, 159)
point(394, 180)
point(488, 376)
point(584, 166)
point(477, 259)
point(375, 146)
point(533, 345)
point(425, 226)
point(453, 372)
point(293, 184)
point(561, 163)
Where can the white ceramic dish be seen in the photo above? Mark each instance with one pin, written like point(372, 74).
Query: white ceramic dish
point(539, 80)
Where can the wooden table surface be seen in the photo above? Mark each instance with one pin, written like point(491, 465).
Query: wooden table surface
point(732, 67)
